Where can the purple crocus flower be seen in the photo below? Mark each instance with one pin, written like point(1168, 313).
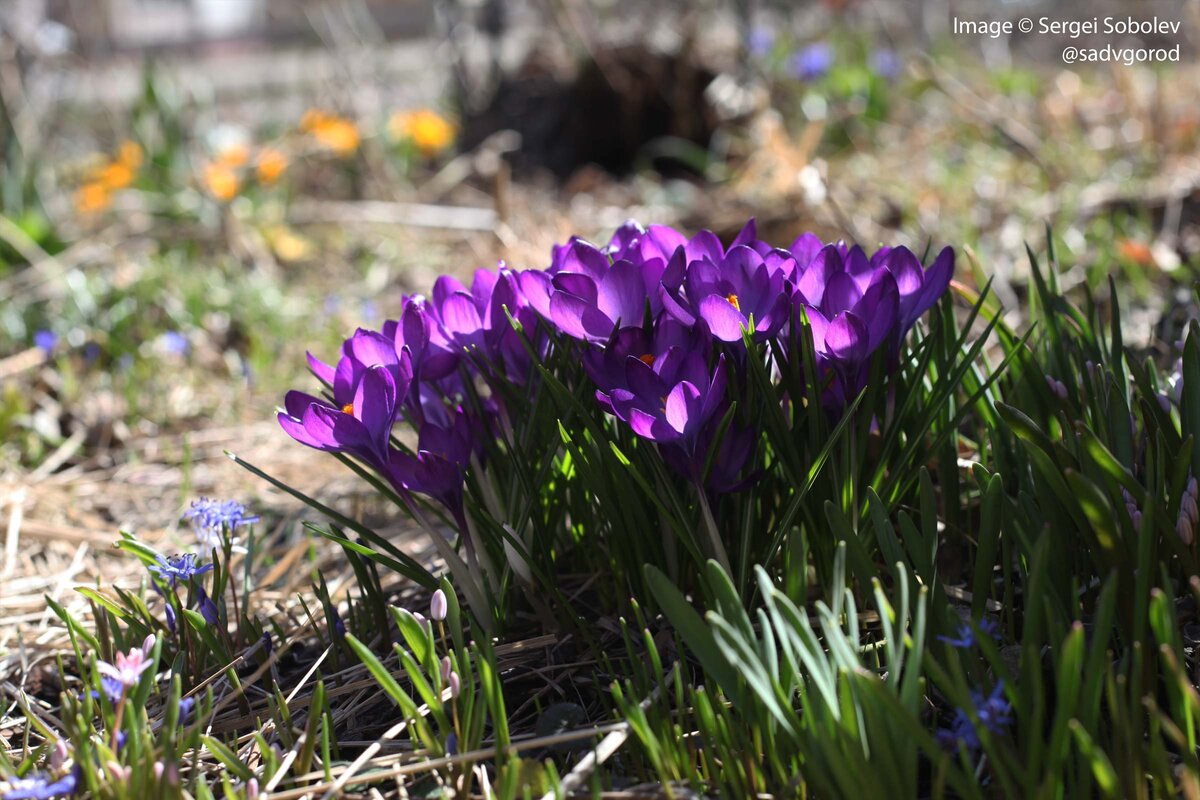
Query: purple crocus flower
point(361, 427)
point(433, 354)
point(593, 298)
point(474, 320)
point(812, 62)
point(728, 295)
point(444, 449)
point(919, 288)
point(672, 398)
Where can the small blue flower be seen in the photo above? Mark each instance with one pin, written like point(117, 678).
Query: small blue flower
point(886, 63)
point(174, 342)
point(178, 568)
point(40, 787)
point(994, 714)
point(112, 688)
point(45, 341)
point(452, 744)
point(213, 515)
point(812, 62)
point(186, 705)
point(208, 609)
point(760, 41)
point(966, 639)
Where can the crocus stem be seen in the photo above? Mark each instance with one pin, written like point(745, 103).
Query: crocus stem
point(117, 715)
point(467, 582)
point(715, 546)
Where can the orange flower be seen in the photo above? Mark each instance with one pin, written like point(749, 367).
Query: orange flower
point(116, 175)
point(270, 164)
point(221, 181)
point(428, 130)
point(130, 154)
point(92, 198)
point(331, 132)
point(234, 155)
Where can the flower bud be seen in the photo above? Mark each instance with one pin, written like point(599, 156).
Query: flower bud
point(1185, 529)
point(58, 756)
point(455, 684)
point(446, 668)
point(252, 789)
point(438, 606)
point(208, 609)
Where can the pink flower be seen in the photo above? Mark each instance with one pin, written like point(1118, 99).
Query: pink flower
point(129, 667)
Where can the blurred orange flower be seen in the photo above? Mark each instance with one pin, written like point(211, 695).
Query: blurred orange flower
point(115, 175)
point(270, 164)
point(130, 154)
point(221, 181)
point(234, 155)
point(92, 197)
point(428, 130)
point(331, 131)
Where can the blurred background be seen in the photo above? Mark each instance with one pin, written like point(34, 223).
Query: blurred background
point(194, 192)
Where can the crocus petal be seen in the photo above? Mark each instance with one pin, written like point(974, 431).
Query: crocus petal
point(643, 381)
point(683, 407)
point(621, 295)
point(937, 279)
point(846, 339)
point(576, 283)
point(535, 285)
point(841, 294)
point(805, 249)
point(375, 406)
point(748, 235)
point(323, 371)
point(585, 257)
point(459, 314)
point(578, 318)
point(725, 321)
point(705, 245)
point(814, 277)
point(369, 348)
point(445, 286)
point(880, 307)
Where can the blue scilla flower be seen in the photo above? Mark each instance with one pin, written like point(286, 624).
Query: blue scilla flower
point(173, 569)
point(966, 637)
point(994, 713)
point(46, 341)
point(40, 787)
point(813, 62)
point(215, 515)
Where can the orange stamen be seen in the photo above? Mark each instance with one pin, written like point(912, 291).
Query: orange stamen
point(733, 301)
point(348, 409)
point(647, 359)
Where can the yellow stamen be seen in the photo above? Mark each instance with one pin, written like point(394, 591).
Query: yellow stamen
point(647, 359)
point(348, 408)
point(733, 301)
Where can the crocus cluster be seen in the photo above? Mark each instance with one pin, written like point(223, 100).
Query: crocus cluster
point(660, 321)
